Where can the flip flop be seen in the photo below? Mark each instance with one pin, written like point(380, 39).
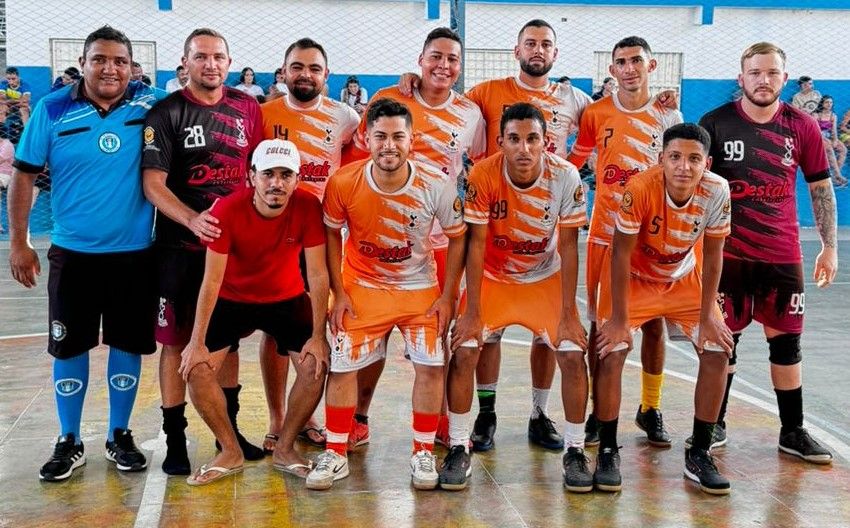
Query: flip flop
point(294, 469)
point(222, 473)
point(274, 438)
point(304, 435)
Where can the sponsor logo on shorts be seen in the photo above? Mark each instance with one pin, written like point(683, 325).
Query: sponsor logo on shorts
point(109, 142)
point(58, 330)
point(122, 382)
point(161, 319)
point(68, 386)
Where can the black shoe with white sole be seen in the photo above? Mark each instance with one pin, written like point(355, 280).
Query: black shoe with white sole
point(67, 456)
point(123, 451)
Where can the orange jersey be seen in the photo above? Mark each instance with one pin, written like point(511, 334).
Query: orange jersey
point(667, 233)
point(561, 106)
point(627, 142)
point(319, 133)
point(522, 224)
point(388, 244)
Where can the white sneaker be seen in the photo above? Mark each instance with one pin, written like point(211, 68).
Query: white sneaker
point(330, 466)
point(423, 470)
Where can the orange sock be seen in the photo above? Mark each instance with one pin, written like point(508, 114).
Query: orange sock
point(338, 423)
point(424, 431)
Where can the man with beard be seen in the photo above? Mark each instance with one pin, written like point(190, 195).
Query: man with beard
point(197, 146)
point(320, 127)
point(758, 143)
point(251, 281)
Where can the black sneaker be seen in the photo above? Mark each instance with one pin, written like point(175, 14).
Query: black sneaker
point(123, 451)
point(591, 431)
point(699, 467)
point(718, 438)
point(607, 475)
point(799, 443)
point(652, 424)
point(456, 469)
point(541, 431)
point(67, 456)
point(577, 476)
point(483, 431)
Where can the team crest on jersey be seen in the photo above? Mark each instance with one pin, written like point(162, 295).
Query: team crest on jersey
point(655, 145)
point(547, 219)
point(109, 142)
point(555, 123)
point(241, 137)
point(457, 207)
point(149, 135)
point(122, 382)
point(727, 207)
point(578, 195)
point(68, 386)
point(329, 137)
point(413, 222)
point(788, 158)
point(626, 205)
point(58, 331)
point(470, 192)
point(452, 145)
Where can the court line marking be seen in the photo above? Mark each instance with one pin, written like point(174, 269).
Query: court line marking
point(21, 298)
point(156, 482)
point(504, 495)
point(20, 416)
point(23, 336)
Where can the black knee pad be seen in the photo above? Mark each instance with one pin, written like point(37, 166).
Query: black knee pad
point(734, 359)
point(785, 349)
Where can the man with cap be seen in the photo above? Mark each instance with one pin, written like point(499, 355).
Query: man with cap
point(252, 281)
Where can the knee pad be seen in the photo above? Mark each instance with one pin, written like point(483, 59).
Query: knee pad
point(785, 349)
point(734, 359)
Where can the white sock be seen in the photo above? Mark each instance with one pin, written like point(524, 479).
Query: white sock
point(487, 386)
point(573, 434)
point(539, 402)
point(459, 430)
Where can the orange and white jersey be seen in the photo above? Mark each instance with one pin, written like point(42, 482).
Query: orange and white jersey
point(627, 142)
point(522, 224)
point(388, 245)
point(561, 106)
point(319, 132)
point(667, 233)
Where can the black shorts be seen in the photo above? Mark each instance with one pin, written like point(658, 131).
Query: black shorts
point(82, 288)
point(179, 274)
point(771, 294)
point(289, 322)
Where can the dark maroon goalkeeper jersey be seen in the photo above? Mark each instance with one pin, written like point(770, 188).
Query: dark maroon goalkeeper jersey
point(760, 161)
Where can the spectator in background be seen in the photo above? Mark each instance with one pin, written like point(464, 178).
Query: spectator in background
point(246, 83)
point(180, 80)
point(836, 152)
point(844, 130)
point(565, 81)
point(608, 87)
point(11, 124)
point(807, 98)
point(16, 93)
point(354, 95)
point(278, 88)
point(7, 156)
point(69, 76)
point(138, 74)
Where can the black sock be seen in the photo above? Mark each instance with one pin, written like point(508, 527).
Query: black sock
point(608, 434)
point(361, 418)
point(721, 418)
point(790, 408)
point(486, 401)
point(703, 431)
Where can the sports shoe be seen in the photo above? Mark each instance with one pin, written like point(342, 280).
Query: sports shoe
point(699, 467)
point(483, 432)
point(123, 451)
point(577, 476)
point(652, 424)
point(423, 470)
point(442, 437)
point(456, 469)
point(591, 431)
point(799, 443)
point(330, 466)
point(541, 431)
point(607, 475)
point(718, 438)
point(67, 456)
point(359, 435)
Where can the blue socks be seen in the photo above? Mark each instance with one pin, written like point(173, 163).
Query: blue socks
point(70, 381)
point(122, 375)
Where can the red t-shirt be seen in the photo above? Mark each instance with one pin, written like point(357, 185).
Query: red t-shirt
point(262, 263)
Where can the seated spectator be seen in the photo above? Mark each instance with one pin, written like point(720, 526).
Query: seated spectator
point(246, 83)
point(836, 152)
point(565, 81)
point(807, 98)
point(138, 74)
point(354, 95)
point(844, 130)
point(180, 80)
point(278, 88)
point(69, 76)
point(16, 93)
point(11, 124)
point(608, 87)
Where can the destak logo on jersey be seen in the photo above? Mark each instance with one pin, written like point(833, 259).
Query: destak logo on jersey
point(768, 192)
point(520, 247)
point(390, 255)
point(314, 172)
point(614, 174)
point(206, 175)
point(661, 258)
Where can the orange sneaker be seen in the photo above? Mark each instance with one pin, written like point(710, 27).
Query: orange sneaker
point(359, 435)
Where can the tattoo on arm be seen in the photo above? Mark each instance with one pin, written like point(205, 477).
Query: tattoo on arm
point(823, 206)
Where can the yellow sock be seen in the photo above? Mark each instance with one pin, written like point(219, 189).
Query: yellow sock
point(650, 394)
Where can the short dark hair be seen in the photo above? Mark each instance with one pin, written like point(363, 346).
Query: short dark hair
point(564, 78)
point(106, 33)
point(306, 43)
point(690, 131)
point(11, 70)
point(386, 107)
point(442, 32)
point(203, 32)
point(245, 70)
point(72, 72)
point(179, 68)
point(819, 109)
point(538, 23)
point(800, 81)
point(519, 112)
point(607, 79)
point(136, 64)
point(630, 42)
point(352, 79)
